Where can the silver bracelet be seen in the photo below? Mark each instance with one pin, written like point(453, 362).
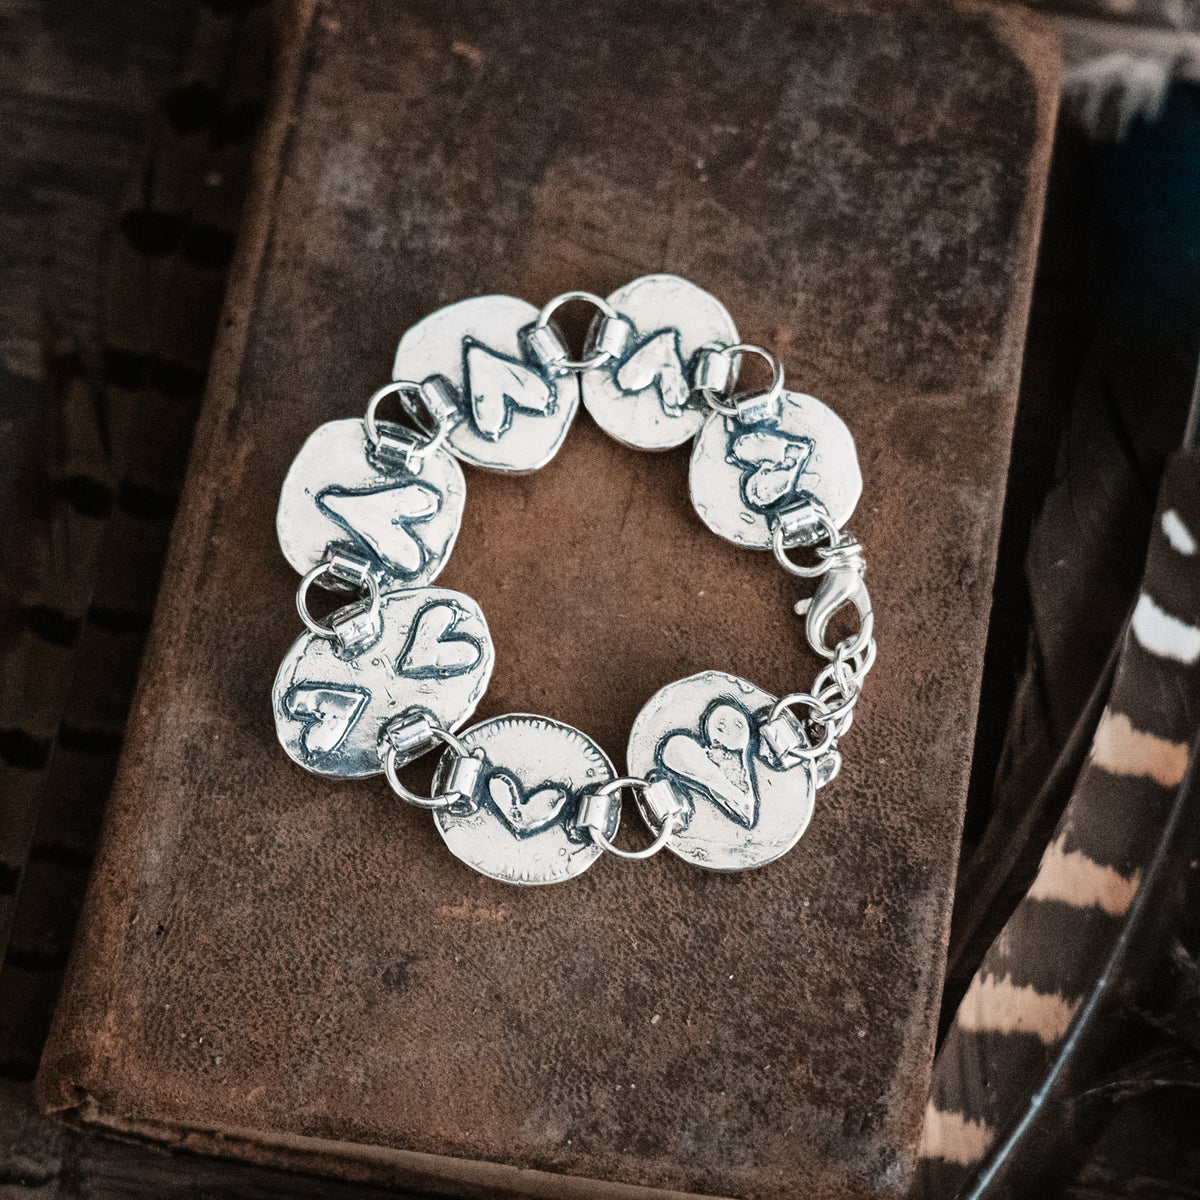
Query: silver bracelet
point(723, 774)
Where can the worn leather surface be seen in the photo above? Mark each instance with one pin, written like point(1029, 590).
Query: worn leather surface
point(301, 963)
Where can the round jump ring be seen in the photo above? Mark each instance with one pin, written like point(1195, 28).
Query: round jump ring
point(821, 709)
point(772, 393)
point(794, 568)
point(848, 669)
point(393, 778)
point(848, 673)
point(839, 712)
point(327, 631)
point(859, 643)
point(543, 319)
point(829, 680)
point(401, 387)
point(659, 842)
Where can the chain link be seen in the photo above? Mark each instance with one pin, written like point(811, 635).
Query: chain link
point(605, 802)
point(413, 734)
point(431, 405)
point(840, 567)
point(744, 406)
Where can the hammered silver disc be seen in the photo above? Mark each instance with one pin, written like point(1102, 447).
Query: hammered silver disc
point(337, 493)
point(515, 416)
point(742, 474)
point(644, 400)
point(435, 653)
point(524, 828)
point(702, 734)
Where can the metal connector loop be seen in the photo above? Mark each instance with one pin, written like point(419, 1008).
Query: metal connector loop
point(562, 365)
point(595, 817)
point(414, 733)
point(821, 716)
point(746, 407)
point(802, 525)
point(432, 405)
point(355, 626)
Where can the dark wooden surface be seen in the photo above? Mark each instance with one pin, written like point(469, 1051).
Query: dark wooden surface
point(75, 111)
point(80, 81)
point(54, 266)
point(128, 130)
point(80, 124)
point(766, 186)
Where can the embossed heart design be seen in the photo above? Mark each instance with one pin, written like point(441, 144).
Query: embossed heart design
point(719, 766)
point(497, 385)
point(525, 813)
point(382, 518)
point(433, 649)
point(328, 713)
point(775, 466)
point(657, 361)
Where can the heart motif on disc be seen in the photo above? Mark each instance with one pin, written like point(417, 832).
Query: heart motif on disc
point(718, 764)
point(644, 400)
point(327, 713)
point(744, 807)
point(498, 385)
point(523, 830)
point(515, 416)
point(433, 652)
point(525, 812)
point(743, 472)
point(656, 362)
point(382, 519)
point(774, 468)
point(433, 649)
point(338, 492)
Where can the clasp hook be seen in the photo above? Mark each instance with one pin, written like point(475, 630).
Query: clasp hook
point(841, 584)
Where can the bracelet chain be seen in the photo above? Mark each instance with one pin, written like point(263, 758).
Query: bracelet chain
point(839, 568)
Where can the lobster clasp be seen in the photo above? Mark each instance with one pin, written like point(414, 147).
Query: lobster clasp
point(841, 584)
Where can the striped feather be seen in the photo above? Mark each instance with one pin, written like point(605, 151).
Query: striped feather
point(1071, 877)
point(1120, 749)
point(1034, 979)
point(999, 1005)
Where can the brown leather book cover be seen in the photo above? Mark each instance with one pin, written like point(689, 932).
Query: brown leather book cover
point(294, 969)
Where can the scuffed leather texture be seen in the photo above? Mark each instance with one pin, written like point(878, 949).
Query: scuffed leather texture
point(279, 957)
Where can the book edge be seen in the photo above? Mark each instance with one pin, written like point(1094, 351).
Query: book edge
point(430, 1174)
point(1033, 40)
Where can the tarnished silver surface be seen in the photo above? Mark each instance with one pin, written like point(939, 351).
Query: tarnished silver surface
point(337, 493)
point(742, 474)
point(703, 733)
point(643, 399)
point(524, 830)
point(435, 653)
point(516, 415)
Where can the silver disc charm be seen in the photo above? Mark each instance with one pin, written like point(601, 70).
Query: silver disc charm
point(515, 417)
point(435, 653)
point(743, 473)
point(703, 734)
point(338, 493)
point(524, 828)
point(643, 400)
